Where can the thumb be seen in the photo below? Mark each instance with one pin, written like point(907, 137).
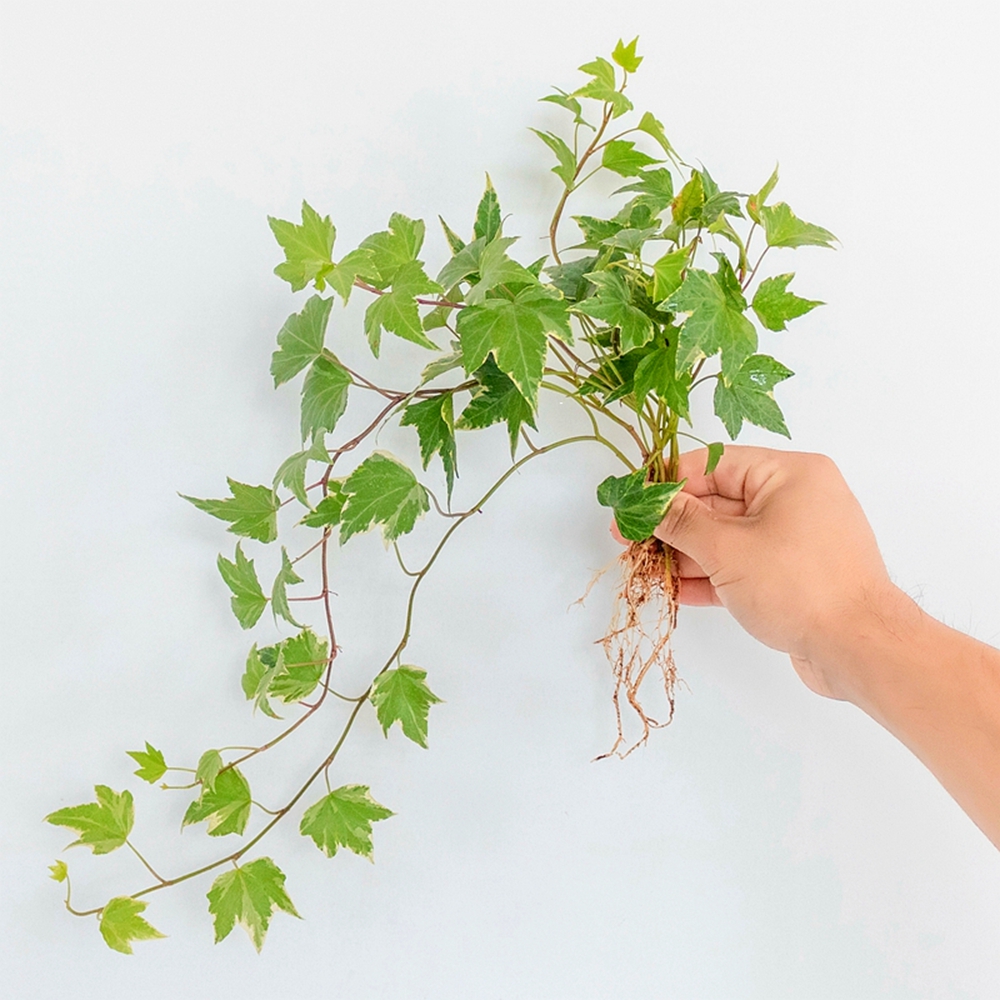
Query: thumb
point(691, 527)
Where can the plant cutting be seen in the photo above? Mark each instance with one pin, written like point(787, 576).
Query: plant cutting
point(627, 315)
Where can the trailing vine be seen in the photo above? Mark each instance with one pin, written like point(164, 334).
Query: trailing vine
point(621, 329)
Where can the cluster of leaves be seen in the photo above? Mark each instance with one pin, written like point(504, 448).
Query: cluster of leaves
point(623, 325)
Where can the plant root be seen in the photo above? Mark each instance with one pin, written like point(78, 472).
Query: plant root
point(638, 638)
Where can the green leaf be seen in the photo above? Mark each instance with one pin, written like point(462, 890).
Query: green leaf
point(304, 659)
point(615, 377)
point(602, 87)
point(717, 202)
point(358, 263)
point(667, 273)
point(226, 805)
point(249, 895)
point(402, 696)
point(488, 219)
point(286, 577)
point(209, 766)
point(440, 366)
point(601, 70)
point(395, 247)
point(716, 323)
point(655, 193)
point(657, 372)
point(565, 169)
point(495, 269)
point(755, 201)
point(613, 304)
point(638, 506)
point(571, 278)
point(749, 396)
point(689, 201)
point(784, 229)
point(495, 400)
point(344, 818)
point(652, 127)
point(261, 667)
point(454, 240)
point(570, 104)
point(774, 306)
point(596, 231)
point(121, 924)
point(396, 311)
point(329, 509)
point(434, 420)
point(152, 766)
point(292, 472)
point(59, 871)
point(381, 490)
point(300, 340)
point(252, 510)
point(248, 600)
point(625, 55)
point(632, 240)
point(464, 265)
point(715, 452)
point(324, 396)
point(308, 248)
point(623, 158)
point(103, 825)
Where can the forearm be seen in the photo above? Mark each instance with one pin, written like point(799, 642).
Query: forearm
point(938, 692)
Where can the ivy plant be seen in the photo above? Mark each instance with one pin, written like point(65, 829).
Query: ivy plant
point(627, 316)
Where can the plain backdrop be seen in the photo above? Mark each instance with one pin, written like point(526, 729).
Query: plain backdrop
point(769, 844)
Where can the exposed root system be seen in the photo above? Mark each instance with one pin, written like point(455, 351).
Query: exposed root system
point(638, 638)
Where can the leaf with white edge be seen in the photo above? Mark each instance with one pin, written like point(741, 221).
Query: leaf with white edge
point(488, 218)
point(209, 766)
point(638, 506)
point(344, 818)
point(434, 420)
point(774, 305)
point(657, 372)
point(496, 400)
point(300, 340)
point(715, 452)
point(252, 510)
point(308, 248)
point(668, 273)
point(402, 695)
point(304, 659)
point(464, 265)
point(358, 263)
point(383, 491)
point(396, 310)
point(226, 805)
point(444, 364)
point(613, 304)
point(749, 396)
point(395, 247)
point(324, 396)
point(784, 229)
point(249, 896)
point(455, 242)
point(59, 871)
point(623, 158)
point(248, 600)
point(328, 510)
point(261, 666)
point(292, 472)
point(103, 825)
point(565, 169)
point(495, 269)
point(152, 766)
point(653, 127)
point(121, 924)
point(625, 55)
point(287, 577)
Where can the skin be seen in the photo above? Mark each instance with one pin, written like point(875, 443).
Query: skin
point(779, 540)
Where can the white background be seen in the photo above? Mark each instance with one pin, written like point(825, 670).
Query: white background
point(769, 844)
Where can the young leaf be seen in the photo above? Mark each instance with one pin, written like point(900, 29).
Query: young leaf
point(402, 696)
point(358, 263)
point(103, 825)
point(784, 229)
point(300, 340)
point(716, 321)
point(308, 248)
point(667, 273)
point(395, 247)
point(638, 506)
point(248, 600)
point(464, 265)
point(488, 219)
point(623, 158)
point(755, 201)
point(261, 666)
point(454, 240)
point(565, 169)
point(209, 766)
point(496, 399)
point(396, 311)
point(613, 304)
point(252, 510)
point(625, 55)
point(652, 127)
point(715, 452)
point(324, 396)
point(59, 871)
point(602, 87)
point(329, 509)
point(381, 490)
point(226, 805)
point(570, 104)
point(121, 924)
point(292, 472)
point(495, 269)
point(344, 818)
point(304, 659)
point(434, 420)
point(152, 766)
point(657, 372)
point(749, 396)
point(774, 306)
point(249, 895)
point(687, 205)
point(286, 577)
point(571, 278)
